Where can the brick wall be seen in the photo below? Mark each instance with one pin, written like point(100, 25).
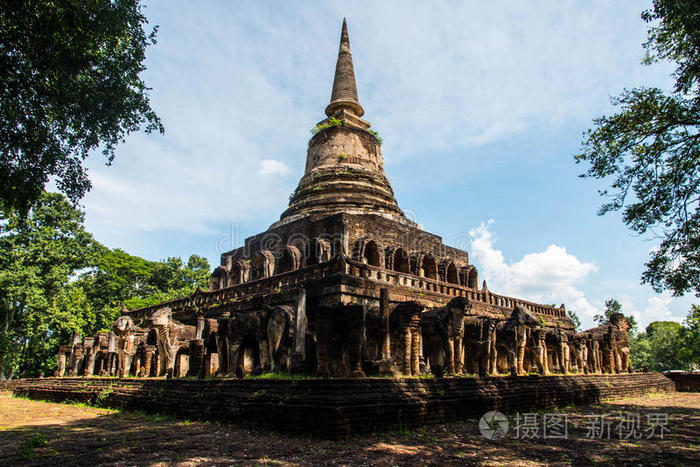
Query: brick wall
point(338, 407)
point(686, 382)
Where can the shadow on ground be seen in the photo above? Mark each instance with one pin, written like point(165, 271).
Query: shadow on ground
point(40, 433)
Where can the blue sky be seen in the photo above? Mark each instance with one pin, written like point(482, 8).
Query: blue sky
point(481, 106)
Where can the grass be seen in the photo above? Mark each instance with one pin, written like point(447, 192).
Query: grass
point(332, 122)
point(28, 446)
point(286, 376)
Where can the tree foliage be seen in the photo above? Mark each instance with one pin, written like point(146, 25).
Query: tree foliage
point(56, 280)
point(667, 345)
point(574, 319)
point(612, 306)
point(69, 84)
point(650, 151)
point(40, 252)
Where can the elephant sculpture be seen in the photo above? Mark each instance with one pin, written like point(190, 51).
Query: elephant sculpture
point(242, 344)
point(443, 334)
point(538, 350)
point(172, 336)
point(280, 332)
point(619, 329)
point(129, 336)
point(562, 349)
point(488, 354)
point(512, 337)
point(578, 349)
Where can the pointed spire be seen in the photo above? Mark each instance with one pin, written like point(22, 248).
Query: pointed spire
point(344, 95)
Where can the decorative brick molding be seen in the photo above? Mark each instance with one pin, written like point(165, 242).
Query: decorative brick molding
point(339, 407)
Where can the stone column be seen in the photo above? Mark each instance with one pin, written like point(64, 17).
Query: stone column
point(358, 325)
point(137, 364)
point(416, 345)
point(406, 344)
point(200, 327)
point(89, 361)
point(197, 356)
point(458, 355)
point(61, 368)
point(77, 360)
point(147, 360)
point(182, 364)
point(300, 324)
point(211, 364)
point(384, 329)
point(324, 329)
point(450, 355)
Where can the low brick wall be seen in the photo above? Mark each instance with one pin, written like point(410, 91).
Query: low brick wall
point(685, 382)
point(9, 384)
point(338, 407)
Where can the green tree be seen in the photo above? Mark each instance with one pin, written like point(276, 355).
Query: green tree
point(640, 352)
point(69, 84)
point(650, 151)
point(40, 253)
point(666, 340)
point(612, 306)
point(118, 278)
point(690, 348)
point(574, 319)
point(56, 280)
point(667, 345)
point(660, 347)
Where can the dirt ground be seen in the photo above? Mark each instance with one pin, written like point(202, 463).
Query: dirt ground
point(41, 433)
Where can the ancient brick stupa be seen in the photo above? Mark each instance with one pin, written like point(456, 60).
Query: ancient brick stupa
point(345, 285)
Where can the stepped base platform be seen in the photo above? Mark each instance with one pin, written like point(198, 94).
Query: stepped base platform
point(684, 381)
point(336, 408)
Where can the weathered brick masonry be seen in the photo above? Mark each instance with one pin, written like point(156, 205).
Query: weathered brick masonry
point(685, 382)
point(339, 407)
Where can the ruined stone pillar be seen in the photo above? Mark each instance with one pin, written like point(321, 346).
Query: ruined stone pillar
point(200, 327)
point(197, 356)
point(300, 324)
point(358, 327)
point(450, 355)
point(61, 367)
point(137, 364)
point(265, 357)
point(182, 365)
point(211, 364)
point(324, 330)
point(521, 343)
point(147, 359)
point(77, 360)
point(406, 344)
point(416, 345)
point(158, 361)
point(147, 356)
point(89, 362)
point(457, 357)
point(384, 332)
point(112, 354)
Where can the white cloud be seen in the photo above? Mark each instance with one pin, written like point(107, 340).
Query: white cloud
point(273, 167)
point(555, 276)
point(239, 87)
point(551, 276)
point(656, 308)
point(236, 86)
